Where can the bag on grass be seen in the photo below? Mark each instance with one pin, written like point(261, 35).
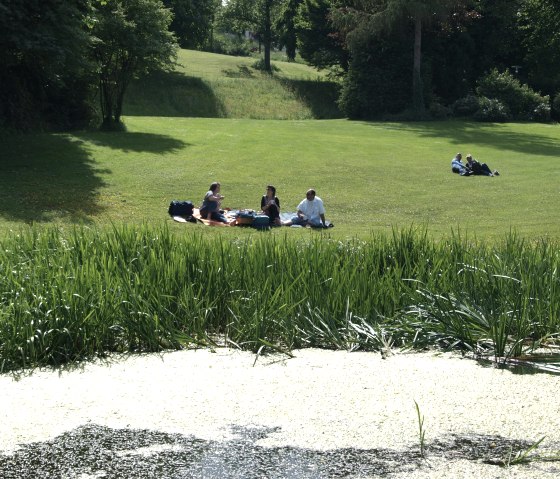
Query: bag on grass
point(245, 217)
point(180, 208)
point(261, 222)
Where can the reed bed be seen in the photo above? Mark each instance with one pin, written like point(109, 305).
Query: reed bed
point(78, 294)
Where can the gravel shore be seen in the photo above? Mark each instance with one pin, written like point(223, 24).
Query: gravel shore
point(307, 408)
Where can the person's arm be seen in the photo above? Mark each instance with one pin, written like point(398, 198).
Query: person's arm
point(323, 219)
point(216, 198)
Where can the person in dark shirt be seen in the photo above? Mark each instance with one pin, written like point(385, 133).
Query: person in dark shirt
point(270, 205)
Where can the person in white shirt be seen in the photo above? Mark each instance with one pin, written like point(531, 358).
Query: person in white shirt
point(310, 211)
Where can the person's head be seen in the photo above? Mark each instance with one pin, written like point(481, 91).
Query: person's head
point(270, 190)
point(469, 157)
point(459, 156)
point(310, 195)
point(215, 187)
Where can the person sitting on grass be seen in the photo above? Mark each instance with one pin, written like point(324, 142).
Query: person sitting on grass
point(310, 212)
point(270, 205)
point(480, 168)
point(211, 203)
point(458, 167)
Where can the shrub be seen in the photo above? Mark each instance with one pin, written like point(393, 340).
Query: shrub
point(541, 112)
point(466, 106)
point(439, 111)
point(522, 102)
point(556, 106)
point(491, 110)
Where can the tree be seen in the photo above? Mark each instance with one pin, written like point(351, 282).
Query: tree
point(377, 16)
point(44, 74)
point(539, 21)
point(256, 16)
point(131, 38)
point(319, 42)
point(193, 21)
point(287, 28)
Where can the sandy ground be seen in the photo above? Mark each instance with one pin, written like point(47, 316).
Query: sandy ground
point(319, 400)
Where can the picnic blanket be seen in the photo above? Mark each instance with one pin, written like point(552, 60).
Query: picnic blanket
point(231, 215)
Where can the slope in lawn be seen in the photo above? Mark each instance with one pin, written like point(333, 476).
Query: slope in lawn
point(220, 86)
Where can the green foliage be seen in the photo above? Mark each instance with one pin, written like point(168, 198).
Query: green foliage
point(319, 43)
point(364, 21)
point(231, 45)
point(71, 295)
point(556, 106)
point(438, 111)
point(377, 80)
point(131, 39)
point(522, 102)
point(467, 106)
point(258, 17)
point(285, 25)
point(45, 73)
point(193, 21)
point(491, 109)
point(539, 20)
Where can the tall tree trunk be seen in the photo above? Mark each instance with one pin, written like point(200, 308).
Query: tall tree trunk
point(417, 87)
point(267, 40)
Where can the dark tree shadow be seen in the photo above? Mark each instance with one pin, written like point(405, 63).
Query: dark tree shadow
point(172, 94)
point(46, 176)
point(474, 133)
point(320, 96)
point(133, 141)
point(243, 71)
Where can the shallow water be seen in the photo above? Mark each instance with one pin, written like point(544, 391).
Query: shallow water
point(94, 451)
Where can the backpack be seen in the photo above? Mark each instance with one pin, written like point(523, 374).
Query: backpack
point(180, 208)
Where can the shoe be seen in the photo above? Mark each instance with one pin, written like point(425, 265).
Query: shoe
point(496, 173)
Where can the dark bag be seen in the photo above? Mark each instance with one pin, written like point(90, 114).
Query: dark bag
point(180, 208)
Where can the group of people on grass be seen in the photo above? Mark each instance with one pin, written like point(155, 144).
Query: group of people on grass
point(310, 211)
point(471, 167)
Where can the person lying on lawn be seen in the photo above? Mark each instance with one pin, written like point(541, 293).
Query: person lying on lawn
point(480, 168)
point(458, 167)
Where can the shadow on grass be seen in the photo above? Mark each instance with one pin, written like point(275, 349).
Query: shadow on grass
point(46, 177)
point(133, 141)
point(172, 94)
point(320, 96)
point(495, 135)
point(243, 71)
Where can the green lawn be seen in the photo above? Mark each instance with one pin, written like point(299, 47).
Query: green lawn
point(371, 176)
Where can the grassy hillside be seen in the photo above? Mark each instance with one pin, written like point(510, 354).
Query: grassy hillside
point(221, 86)
point(372, 176)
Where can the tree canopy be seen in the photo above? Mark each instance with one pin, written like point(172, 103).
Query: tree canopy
point(60, 58)
point(131, 37)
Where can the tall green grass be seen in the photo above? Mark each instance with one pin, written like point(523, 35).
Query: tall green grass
point(68, 295)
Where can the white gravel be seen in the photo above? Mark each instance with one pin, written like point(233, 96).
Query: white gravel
point(318, 400)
